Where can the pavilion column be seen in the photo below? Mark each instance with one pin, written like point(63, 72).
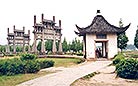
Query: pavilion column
point(54, 49)
point(84, 46)
point(43, 44)
point(104, 50)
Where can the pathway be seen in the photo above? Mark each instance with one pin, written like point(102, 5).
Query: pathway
point(67, 76)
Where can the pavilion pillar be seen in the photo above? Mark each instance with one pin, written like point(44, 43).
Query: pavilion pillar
point(104, 50)
point(84, 46)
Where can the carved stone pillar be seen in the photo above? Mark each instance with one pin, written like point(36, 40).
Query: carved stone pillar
point(8, 48)
point(54, 49)
point(34, 44)
point(14, 46)
point(29, 42)
point(43, 44)
point(29, 48)
point(24, 45)
point(60, 46)
point(23, 41)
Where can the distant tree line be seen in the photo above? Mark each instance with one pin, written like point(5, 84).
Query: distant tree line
point(75, 45)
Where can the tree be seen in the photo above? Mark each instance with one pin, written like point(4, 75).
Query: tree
point(65, 45)
point(76, 45)
point(48, 45)
point(39, 46)
point(2, 48)
point(72, 47)
point(122, 39)
point(136, 39)
point(18, 48)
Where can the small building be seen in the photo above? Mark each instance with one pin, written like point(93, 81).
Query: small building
point(100, 31)
point(18, 38)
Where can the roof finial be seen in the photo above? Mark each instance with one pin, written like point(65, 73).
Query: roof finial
point(98, 12)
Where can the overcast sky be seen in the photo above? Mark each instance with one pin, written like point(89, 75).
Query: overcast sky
point(81, 12)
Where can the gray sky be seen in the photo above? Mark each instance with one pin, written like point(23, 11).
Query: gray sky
point(81, 12)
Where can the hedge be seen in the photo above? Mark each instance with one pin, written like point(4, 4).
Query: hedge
point(46, 63)
point(28, 57)
point(26, 64)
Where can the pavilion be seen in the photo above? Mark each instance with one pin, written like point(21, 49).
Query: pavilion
point(100, 31)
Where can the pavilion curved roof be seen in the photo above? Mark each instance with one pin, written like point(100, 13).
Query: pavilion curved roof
point(100, 25)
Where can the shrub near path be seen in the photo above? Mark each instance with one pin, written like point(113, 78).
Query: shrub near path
point(26, 64)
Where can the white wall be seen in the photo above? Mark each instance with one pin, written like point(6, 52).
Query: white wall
point(90, 46)
point(112, 45)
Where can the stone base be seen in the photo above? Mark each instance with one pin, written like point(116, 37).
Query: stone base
point(91, 59)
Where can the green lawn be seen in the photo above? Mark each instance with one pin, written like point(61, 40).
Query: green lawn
point(16, 79)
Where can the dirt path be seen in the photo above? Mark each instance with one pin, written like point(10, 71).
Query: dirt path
point(107, 77)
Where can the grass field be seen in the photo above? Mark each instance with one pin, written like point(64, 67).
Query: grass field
point(16, 79)
point(64, 62)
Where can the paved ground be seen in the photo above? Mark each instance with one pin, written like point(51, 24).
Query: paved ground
point(68, 75)
point(106, 77)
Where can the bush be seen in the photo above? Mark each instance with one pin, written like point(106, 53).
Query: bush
point(31, 66)
point(128, 68)
point(46, 63)
point(118, 58)
point(28, 57)
point(26, 64)
point(11, 66)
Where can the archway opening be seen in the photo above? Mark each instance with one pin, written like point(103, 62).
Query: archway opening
point(101, 49)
